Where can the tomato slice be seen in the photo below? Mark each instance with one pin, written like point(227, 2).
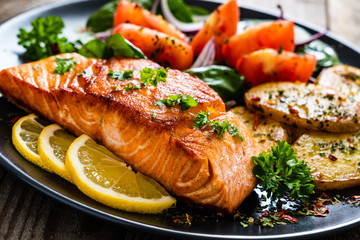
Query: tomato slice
point(276, 34)
point(129, 12)
point(166, 50)
point(222, 24)
point(269, 65)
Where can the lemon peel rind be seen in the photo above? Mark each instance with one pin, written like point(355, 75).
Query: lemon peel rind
point(106, 195)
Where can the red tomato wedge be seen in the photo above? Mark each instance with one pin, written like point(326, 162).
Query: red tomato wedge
point(222, 24)
point(268, 65)
point(274, 35)
point(157, 46)
point(129, 12)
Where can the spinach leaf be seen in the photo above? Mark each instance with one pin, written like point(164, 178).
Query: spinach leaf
point(102, 19)
point(226, 81)
point(180, 10)
point(199, 11)
point(116, 45)
point(325, 55)
point(147, 4)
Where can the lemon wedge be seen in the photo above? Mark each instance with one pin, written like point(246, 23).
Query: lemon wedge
point(106, 178)
point(53, 144)
point(25, 134)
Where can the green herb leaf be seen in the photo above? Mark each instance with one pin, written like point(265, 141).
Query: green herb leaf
point(123, 75)
point(185, 101)
point(93, 49)
point(64, 65)
point(102, 19)
point(150, 76)
point(227, 82)
point(130, 87)
point(44, 39)
point(201, 119)
point(281, 173)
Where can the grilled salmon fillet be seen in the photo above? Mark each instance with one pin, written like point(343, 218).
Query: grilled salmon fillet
point(191, 163)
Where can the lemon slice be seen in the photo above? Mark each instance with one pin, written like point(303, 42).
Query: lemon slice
point(106, 178)
point(53, 144)
point(25, 134)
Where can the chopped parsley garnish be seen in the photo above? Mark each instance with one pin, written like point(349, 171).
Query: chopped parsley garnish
point(225, 126)
point(64, 65)
point(123, 75)
point(44, 39)
point(185, 101)
point(130, 87)
point(150, 76)
point(35, 67)
point(201, 119)
point(281, 173)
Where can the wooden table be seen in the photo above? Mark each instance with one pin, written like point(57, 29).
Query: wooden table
point(26, 213)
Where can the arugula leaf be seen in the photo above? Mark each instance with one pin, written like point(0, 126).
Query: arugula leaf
point(116, 45)
point(44, 39)
point(123, 75)
point(226, 81)
point(281, 173)
point(325, 55)
point(102, 19)
point(185, 101)
point(201, 119)
point(150, 76)
point(64, 65)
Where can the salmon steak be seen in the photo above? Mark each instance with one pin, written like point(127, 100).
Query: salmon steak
point(193, 164)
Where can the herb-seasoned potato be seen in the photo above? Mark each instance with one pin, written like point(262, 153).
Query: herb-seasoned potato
point(265, 131)
point(345, 79)
point(333, 158)
point(306, 105)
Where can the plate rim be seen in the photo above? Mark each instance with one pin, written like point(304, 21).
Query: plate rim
point(11, 167)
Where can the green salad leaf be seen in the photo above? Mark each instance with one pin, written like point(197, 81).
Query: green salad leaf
point(325, 55)
point(115, 45)
point(226, 81)
point(44, 39)
point(199, 11)
point(281, 173)
point(147, 4)
point(102, 19)
point(180, 10)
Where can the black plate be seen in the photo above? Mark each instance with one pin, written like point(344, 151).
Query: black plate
point(75, 15)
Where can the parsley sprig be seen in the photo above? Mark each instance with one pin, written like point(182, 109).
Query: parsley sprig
point(184, 101)
point(202, 118)
point(64, 65)
point(281, 173)
point(150, 76)
point(44, 39)
point(123, 75)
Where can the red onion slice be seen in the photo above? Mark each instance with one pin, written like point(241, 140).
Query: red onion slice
point(207, 55)
point(184, 27)
point(155, 6)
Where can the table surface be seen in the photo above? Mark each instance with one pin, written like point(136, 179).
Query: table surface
point(26, 213)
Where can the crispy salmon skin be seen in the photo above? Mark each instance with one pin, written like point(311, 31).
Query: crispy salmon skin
point(191, 163)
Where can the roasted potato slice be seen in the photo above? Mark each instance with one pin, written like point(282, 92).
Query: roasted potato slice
point(265, 131)
point(333, 158)
point(306, 105)
point(345, 79)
